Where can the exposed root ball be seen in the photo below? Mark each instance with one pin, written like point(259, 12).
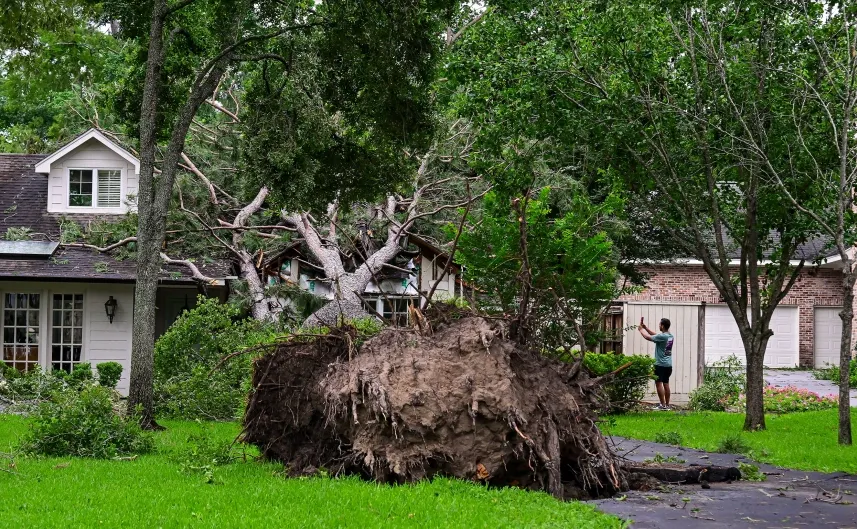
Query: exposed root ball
point(462, 402)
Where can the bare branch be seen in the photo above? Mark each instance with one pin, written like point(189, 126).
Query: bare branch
point(199, 276)
point(193, 169)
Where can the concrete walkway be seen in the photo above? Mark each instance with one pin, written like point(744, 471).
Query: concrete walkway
point(804, 380)
point(788, 499)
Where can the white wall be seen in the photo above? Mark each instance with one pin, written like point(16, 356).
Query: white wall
point(91, 155)
point(102, 341)
point(446, 287)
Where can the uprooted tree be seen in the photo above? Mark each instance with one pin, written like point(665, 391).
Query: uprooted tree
point(351, 64)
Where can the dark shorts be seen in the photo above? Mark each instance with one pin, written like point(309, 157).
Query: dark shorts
point(662, 374)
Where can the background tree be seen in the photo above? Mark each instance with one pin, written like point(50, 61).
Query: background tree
point(822, 85)
point(625, 93)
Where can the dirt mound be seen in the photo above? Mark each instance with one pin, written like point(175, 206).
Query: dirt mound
point(463, 402)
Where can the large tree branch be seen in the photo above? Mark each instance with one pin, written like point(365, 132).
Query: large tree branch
point(189, 165)
point(195, 272)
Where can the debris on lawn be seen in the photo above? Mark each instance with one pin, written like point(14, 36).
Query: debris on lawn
point(462, 401)
point(690, 474)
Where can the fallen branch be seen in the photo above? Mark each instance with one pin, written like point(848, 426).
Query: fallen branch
point(105, 249)
point(199, 276)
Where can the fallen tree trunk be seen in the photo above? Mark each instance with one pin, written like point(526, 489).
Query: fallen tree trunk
point(686, 474)
point(464, 402)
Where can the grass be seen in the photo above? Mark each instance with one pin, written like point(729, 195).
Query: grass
point(802, 441)
point(152, 491)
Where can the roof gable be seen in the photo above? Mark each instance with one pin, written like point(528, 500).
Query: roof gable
point(92, 134)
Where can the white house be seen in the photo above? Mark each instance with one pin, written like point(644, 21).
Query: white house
point(62, 305)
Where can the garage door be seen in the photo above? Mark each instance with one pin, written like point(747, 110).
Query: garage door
point(827, 329)
point(722, 338)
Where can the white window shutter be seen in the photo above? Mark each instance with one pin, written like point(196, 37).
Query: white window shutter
point(109, 189)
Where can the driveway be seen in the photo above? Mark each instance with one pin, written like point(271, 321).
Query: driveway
point(788, 499)
point(804, 380)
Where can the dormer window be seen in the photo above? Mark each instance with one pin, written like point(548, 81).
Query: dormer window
point(101, 188)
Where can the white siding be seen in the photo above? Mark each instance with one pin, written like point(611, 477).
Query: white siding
point(431, 267)
point(105, 341)
point(102, 341)
point(684, 320)
point(91, 155)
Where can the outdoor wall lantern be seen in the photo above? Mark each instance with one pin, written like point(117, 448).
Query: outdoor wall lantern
point(110, 308)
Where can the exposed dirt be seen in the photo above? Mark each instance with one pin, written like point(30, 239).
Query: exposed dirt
point(463, 402)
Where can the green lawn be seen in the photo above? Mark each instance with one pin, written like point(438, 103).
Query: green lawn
point(152, 492)
point(803, 441)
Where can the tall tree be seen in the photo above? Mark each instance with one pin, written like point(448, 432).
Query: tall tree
point(822, 84)
point(632, 93)
point(187, 46)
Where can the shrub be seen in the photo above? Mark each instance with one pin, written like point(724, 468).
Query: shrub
point(84, 424)
point(629, 386)
point(188, 352)
point(80, 375)
point(723, 382)
point(669, 438)
point(109, 374)
point(791, 399)
point(733, 444)
point(214, 397)
point(831, 373)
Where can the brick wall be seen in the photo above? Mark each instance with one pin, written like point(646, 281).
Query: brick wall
point(814, 288)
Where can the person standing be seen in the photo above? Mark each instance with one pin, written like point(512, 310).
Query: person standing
point(663, 359)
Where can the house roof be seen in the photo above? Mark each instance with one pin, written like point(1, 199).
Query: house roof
point(44, 166)
point(817, 248)
point(23, 204)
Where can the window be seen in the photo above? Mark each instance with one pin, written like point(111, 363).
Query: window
point(109, 188)
point(395, 310)
point(80, 187)
point(21, 331)
point(613, 328)
point(67, 331)
point(89, 187)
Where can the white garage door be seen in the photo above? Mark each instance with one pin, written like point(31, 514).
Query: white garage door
point(827, 329)
point(722, 338)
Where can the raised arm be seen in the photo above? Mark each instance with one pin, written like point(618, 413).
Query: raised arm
point(644, 331)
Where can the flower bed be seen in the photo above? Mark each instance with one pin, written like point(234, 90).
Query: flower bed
point(791, 399)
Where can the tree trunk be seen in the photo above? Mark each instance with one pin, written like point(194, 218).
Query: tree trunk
point(259, 308)
point(346, 303)
point(755, 350)
point(148, 258)
point(847, 316)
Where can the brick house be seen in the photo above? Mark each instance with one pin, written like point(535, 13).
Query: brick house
point(806, 324)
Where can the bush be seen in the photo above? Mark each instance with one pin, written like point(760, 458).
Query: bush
point(669, 438)
point(80, 376)
point(831, 373)
point(723, 382)
point(84, 424)
point(186, 355)
point(109, 374)
point(214, 397)
point(630, 385)
point(791, 399)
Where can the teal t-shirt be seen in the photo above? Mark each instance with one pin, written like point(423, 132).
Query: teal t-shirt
point(663, 349)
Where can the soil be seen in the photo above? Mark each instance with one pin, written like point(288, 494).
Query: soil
point(463, 401)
